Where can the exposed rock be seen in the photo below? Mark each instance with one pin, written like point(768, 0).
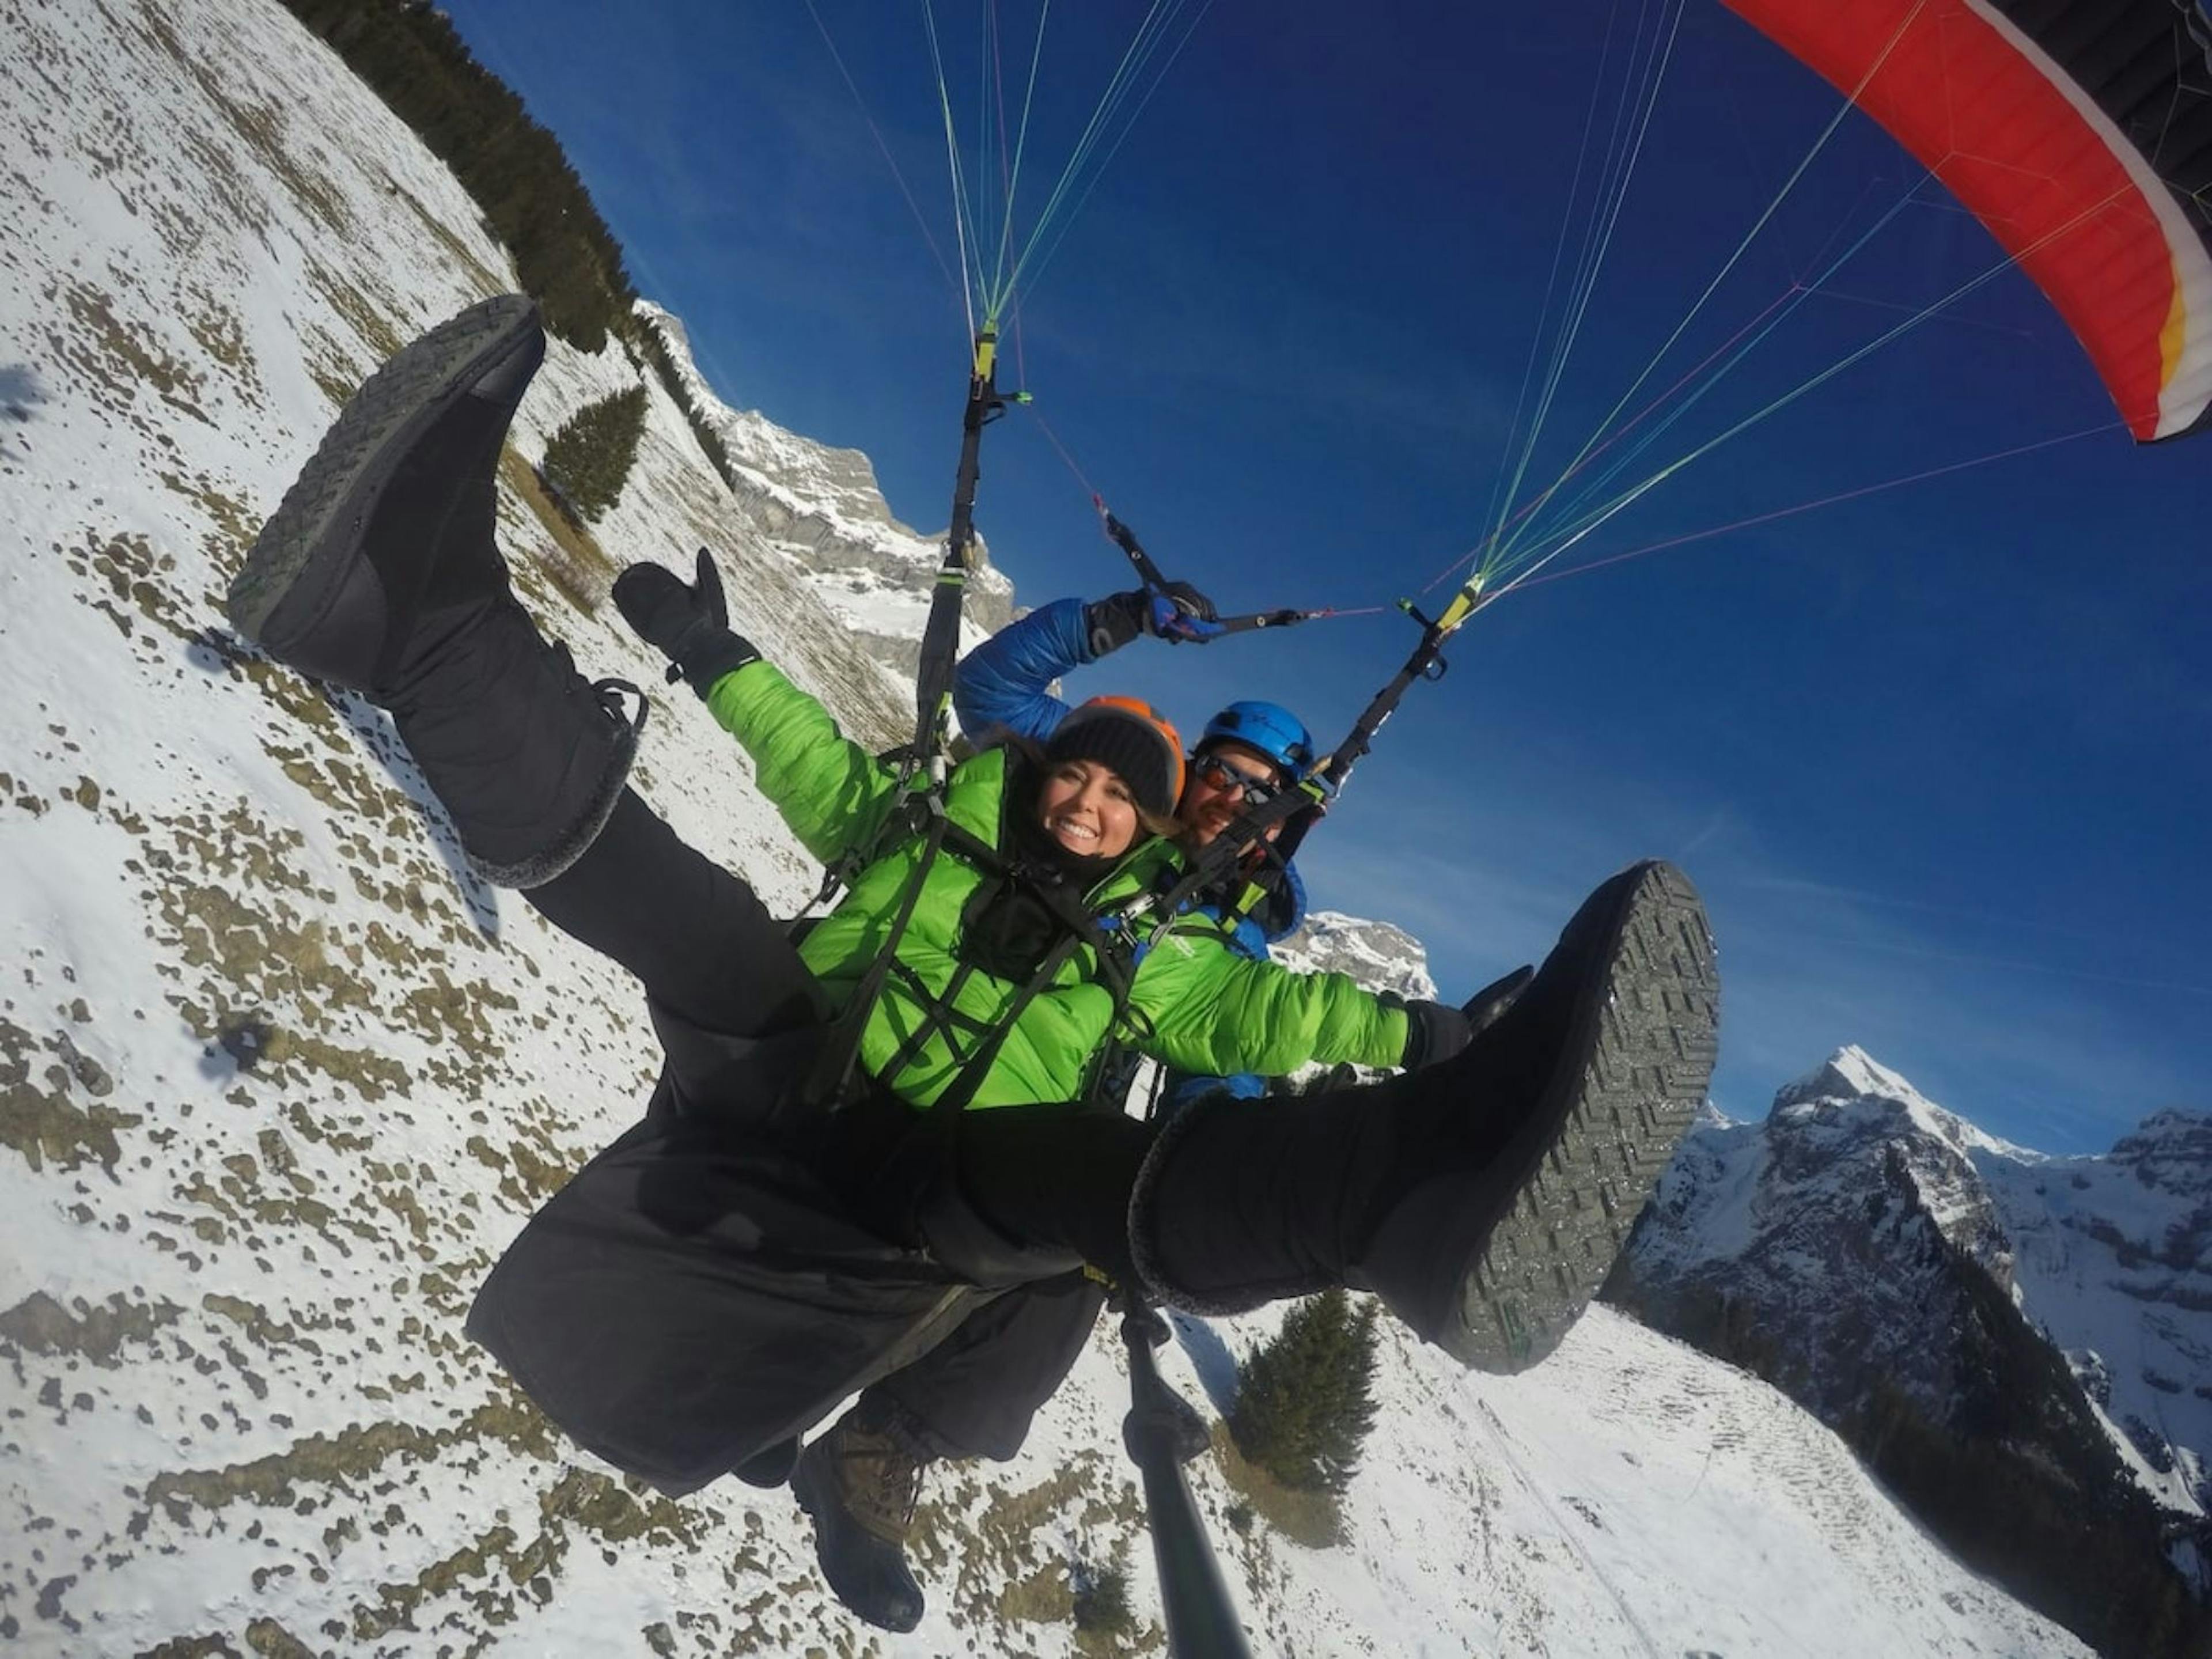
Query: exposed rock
point(822, 507)
point(1914, 1281)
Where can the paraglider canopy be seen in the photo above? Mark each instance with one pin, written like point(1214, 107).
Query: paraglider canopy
point(2079, 132)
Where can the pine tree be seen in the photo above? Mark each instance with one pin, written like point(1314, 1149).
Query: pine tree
point(589, 458)
point(1304, 1401)
point(656, 352)
point(531, 197)
point(1102, 1597)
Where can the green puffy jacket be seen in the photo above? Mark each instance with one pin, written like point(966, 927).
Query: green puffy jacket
point(1193, 1004)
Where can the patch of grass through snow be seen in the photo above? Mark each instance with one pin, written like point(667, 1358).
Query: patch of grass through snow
point(572, 556)
point(1311, 1518)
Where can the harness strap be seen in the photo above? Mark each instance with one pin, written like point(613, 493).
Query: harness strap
point(940, 1016)
point(1072, 914)
point(832, 1079)
point(924, 758)
point(963, 1088)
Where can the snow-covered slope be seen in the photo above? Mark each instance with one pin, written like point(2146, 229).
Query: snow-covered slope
point(1629, 1496)
point(238, 1413)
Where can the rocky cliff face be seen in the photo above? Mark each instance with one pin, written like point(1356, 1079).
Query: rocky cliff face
point(1380, 956)
point(819, 507)
point(2032, 1324)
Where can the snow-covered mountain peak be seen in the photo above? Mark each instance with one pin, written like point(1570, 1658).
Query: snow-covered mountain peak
point(1854, 1092)
point(2170, 1150)
point(1852, 1119)
point(1849, 1073)
point(1376, 954)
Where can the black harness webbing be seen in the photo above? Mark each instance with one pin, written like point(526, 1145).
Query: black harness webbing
point(1149, 573)
point(921, 778)
point(1079, 927)
point(1245, 846)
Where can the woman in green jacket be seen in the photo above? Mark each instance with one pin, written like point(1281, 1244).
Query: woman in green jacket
point(980, 926)
point(757, 1249)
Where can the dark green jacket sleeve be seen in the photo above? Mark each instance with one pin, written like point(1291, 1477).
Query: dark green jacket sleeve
point(1203, 1008)
point(833, 793)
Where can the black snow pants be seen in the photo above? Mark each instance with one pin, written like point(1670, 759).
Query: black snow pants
point(975, 1393)
point(739, 1263)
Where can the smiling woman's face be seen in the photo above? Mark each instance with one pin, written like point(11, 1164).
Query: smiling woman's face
point(1086, 808)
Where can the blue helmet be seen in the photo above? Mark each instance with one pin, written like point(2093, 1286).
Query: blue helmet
point(1268, 727)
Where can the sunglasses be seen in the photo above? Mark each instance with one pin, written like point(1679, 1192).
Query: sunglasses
point(1218, 774)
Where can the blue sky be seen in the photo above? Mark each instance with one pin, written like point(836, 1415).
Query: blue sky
point(1937, 754)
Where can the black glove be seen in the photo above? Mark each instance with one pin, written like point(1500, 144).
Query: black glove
point(1116, 620)
point(689, 623)
point(1434, 1031)
point(1175, 613)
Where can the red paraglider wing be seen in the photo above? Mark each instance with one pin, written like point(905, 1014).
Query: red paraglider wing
point(2080, 133)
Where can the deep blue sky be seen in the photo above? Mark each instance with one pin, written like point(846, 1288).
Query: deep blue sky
point(1937, 755)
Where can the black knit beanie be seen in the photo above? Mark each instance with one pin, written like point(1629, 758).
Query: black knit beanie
point(1145, 752)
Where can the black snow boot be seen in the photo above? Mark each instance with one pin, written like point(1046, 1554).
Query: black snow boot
point(1484, 1199)
point(379, 571)
point(526, 757)
point(391, 520)
point(860, 1483)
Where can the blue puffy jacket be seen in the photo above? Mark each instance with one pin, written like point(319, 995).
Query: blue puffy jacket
point(1006, 684)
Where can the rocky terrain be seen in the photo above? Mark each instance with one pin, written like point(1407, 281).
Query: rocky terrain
point(2041, 1324)
point(820, 507)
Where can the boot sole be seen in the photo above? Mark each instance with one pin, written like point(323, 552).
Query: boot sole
point(297, 567)
point(1635, 1071)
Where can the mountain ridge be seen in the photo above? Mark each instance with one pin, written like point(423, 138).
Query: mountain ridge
point(1911, 1279)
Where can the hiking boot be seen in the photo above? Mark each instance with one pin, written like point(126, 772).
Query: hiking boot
point(1609, 1051)
point(391, 520)
point(860, 1483)
point(1483, 1197)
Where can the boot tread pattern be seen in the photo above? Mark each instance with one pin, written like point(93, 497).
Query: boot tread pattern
point(1642, 1085)
point(423, 375)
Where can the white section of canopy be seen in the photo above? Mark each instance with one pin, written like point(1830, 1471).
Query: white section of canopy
point(2187, 393)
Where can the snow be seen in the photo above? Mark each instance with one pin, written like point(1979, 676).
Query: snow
point(1728, 1164)
point(1629, 1496)
point(239, 1411)
point(1851, 1075)
point(2105, 1255)
point(1375, 953)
